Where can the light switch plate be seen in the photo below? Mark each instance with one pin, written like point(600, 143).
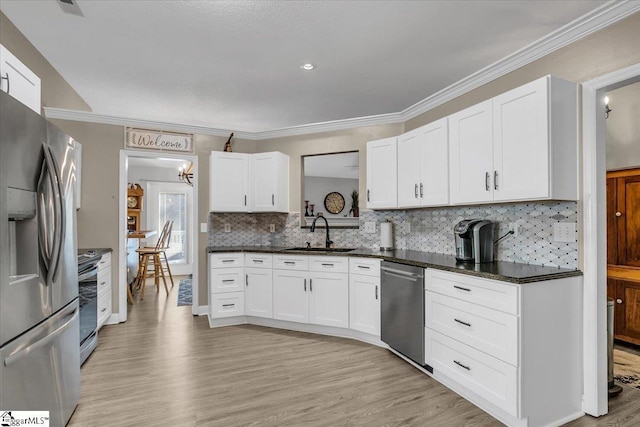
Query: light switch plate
point(564, 232)
point(227, 228)
point(272, 228)
point(369, 227)
point(203, 227)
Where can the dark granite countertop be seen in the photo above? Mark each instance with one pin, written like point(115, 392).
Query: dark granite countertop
point(499, 270)
point(89, 255)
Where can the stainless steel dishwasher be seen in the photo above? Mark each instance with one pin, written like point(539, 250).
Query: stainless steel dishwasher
point(402, 309)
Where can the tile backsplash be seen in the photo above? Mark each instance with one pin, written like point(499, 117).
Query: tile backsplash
point(429, 230)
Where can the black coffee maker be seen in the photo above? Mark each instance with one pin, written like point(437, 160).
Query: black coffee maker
point(474, 240)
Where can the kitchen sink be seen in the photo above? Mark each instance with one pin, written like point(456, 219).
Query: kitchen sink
point(301, 249)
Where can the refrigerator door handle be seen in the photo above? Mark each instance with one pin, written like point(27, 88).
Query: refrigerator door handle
point(50, 245)
point(15, 356)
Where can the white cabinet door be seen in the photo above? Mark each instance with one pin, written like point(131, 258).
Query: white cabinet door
point(434, 171)
point(290, 296)
point(521, 143)
point(364, 303)
point(258, 292)
point(229, 174)
point(269, 182)
point(19, 81)
point(329, 299)
point(471, 155)
point(382, 174)
point(410, 146)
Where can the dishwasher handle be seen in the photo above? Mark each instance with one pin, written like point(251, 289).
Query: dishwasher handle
point(401, 273)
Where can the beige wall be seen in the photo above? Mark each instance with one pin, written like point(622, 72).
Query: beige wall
point(328, 142)
point(607, 50)
point(56, 92)
point(623, 128)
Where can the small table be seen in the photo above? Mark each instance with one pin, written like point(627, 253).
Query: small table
point(133, 243)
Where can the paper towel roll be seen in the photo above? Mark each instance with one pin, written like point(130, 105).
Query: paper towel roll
point(386, 236)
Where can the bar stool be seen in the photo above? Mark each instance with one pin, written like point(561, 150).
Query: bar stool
point(150, 262)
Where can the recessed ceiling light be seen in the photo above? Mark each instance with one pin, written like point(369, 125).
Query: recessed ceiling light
point(307, 67)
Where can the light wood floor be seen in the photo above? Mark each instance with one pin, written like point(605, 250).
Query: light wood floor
point(164, 367)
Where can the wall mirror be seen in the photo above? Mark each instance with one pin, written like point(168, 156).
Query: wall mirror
point(330, 181)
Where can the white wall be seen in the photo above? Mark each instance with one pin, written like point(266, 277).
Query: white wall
point(316, 188)
point(623, 127)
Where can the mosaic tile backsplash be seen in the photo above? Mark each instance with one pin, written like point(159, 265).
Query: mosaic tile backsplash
point(429, 230)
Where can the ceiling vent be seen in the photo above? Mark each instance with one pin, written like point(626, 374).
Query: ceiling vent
point(70, 6)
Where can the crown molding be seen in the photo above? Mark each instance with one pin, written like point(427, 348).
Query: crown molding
point(587, 24)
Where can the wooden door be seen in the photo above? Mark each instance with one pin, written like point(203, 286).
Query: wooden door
point(628, 193)
point(627, 311)
point(612, 221)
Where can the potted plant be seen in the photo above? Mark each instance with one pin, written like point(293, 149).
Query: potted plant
point(355, 203)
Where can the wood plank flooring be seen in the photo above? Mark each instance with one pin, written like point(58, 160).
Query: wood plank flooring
point(164, 367)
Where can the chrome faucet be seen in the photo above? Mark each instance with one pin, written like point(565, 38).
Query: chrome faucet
point(328, 242)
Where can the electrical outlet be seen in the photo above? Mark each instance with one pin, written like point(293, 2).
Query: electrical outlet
point(564, 232)
point(369, 227)
point(204, 227)
point(272, 228)
point(513, 226)
point(227, 228)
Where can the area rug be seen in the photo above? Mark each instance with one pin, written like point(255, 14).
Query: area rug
point(626, 368)
point(184, 292)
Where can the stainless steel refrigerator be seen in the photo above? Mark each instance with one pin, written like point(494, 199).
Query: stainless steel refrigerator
point(39, 320)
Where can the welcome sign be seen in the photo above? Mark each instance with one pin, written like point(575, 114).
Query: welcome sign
point(143, 139)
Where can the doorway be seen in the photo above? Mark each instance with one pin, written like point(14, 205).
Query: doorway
point(165, 198)
point(594, 236)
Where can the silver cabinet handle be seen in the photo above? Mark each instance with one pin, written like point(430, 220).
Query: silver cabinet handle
point(327, 265)
point(227, 260)
point(245, 200)
point(103, 310)
point(495, 180)
point(421, 191)
point(367, 195)
point(415, 190)
point(364, 267)
point(486, 181)
point(463, 323)
point(461, 288)
point(290, 263)
point(619, 301)
point(310, 285)
point(376, 291)
point(228, 281)
point(228, 305)
point(305, 285)
point(273, 200)
point(259, 261)
point(103, 283)
point(6, 77)
point(246, 279)
point(461, 365)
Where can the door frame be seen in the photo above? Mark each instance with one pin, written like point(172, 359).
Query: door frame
point(122, 209)
point(594, 235)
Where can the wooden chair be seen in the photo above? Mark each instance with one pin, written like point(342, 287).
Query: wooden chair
point(151, 263)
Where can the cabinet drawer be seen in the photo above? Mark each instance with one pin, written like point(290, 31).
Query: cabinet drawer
point(226, 280)
point(487, 376)
point(258, 260)
point(104, 280)
point(104, 306)
point(105, 261)
point(332, 264)
point(490, 331)
point(226, 260)
point(365, 266)
point(488, 293)
point(227, 305)
point(291, 262)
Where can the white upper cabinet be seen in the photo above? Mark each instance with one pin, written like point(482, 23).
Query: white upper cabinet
point(521, 145)
point(229, 174)
point(19, 81)
point(471, 154)
point(382, 174)
point(249, 182)
point(423, 166)
point(269, 182)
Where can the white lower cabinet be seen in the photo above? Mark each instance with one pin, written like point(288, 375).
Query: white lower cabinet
point(364, 304)
point(512, 349)
point(259, 292)
point(228, 304)
point(329, 299)
point(290, 296)
point(226, 285)
point(104, 289)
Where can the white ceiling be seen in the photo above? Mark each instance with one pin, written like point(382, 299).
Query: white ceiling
point(341, 165)
point(234, 65)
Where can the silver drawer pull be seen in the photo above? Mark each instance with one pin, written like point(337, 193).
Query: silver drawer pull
point(228, 305)
point(103, 310)
point(103, 283)
point(461, 365)
point(259, 261)
point(364, 267)
point(376, 291)
point(228, 260)
point(463, 323)
point(327, 265)
point(228, 280)
point(461, 288)
point(290, 263)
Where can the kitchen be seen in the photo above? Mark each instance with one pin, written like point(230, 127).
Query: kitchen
point(102, 143)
